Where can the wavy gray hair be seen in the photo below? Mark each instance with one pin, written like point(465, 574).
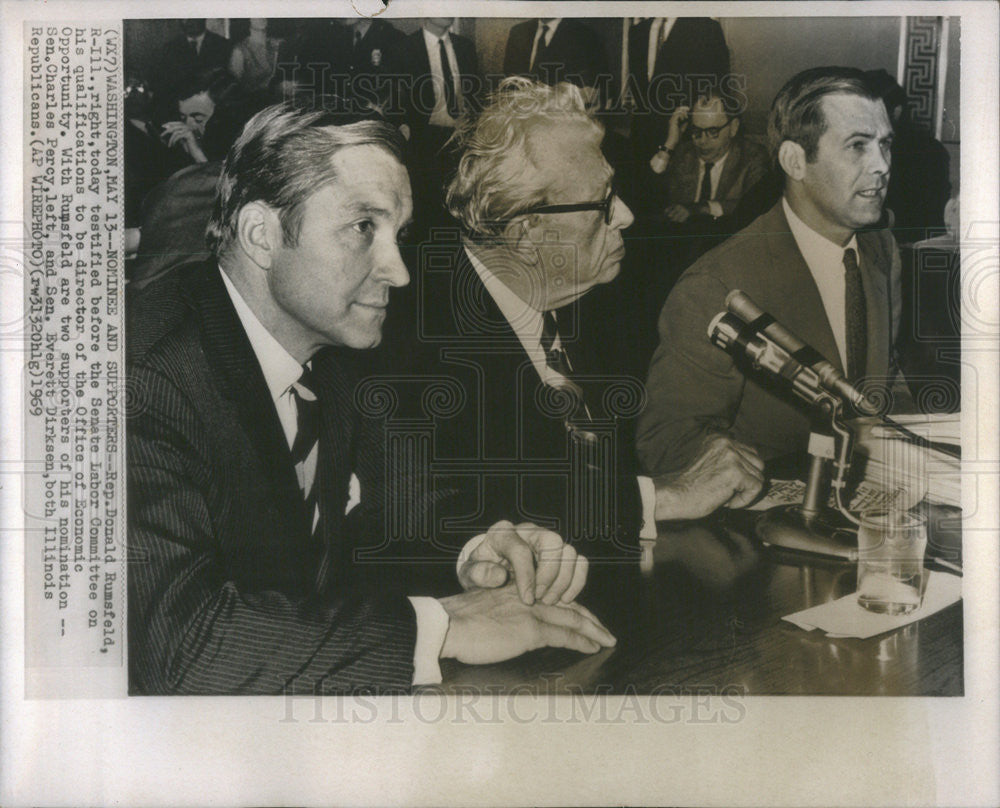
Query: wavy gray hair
point(496, 176)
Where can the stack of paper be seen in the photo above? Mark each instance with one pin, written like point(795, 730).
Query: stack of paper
point(892, 462)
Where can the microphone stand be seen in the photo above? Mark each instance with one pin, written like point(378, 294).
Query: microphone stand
point(813, 526)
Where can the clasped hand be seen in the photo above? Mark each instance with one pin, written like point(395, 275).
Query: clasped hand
point(543, 567)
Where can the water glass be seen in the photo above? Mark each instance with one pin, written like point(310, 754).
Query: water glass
point(891, 546)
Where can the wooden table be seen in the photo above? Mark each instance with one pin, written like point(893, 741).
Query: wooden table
point(705, 618)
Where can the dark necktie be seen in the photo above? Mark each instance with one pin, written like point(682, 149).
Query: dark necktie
point(539, 47)
point(857, 316)
point(706, 184)
point(450, 100)
point(558, 361)
point(306, 435)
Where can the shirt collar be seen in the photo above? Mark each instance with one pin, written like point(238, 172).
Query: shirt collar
point(280, 369)
point(553, 24)
point(718, 164)
point(817, 249)
point(433, 39)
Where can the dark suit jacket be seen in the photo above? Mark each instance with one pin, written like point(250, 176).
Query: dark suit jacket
point(575, 54)
point(227, 589)
point(177, 63)
point(499, 448)
point(694, 387)
point(380, 50)
point(745, 164)
point(417, 65)
point(694, 51)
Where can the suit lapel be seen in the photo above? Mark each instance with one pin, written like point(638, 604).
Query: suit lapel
point(730, 169)
point(240, 379)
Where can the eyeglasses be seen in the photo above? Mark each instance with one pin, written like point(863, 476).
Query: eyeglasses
point(607, 205)
point(711, 132)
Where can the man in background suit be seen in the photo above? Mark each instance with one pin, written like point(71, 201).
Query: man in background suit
point(253, 478)
point(443, 77)
point(811, 262)
point(554, 49)
point(672, 60)
point(541, 431)
point(707, 174)
point(195, 51)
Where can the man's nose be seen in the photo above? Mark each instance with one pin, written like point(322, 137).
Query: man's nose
point(881, 160)
point(391, 268)
point(623, 216)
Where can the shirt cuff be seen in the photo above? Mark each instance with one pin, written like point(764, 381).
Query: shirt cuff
point(470, 547)
point(715, 208)
point(647, 495)
point(432, 626)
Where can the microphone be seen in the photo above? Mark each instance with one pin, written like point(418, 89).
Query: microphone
point(763, 324)
point(730, 333)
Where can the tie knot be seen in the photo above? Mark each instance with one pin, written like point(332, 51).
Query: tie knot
point(850, 260)
point(305, 386)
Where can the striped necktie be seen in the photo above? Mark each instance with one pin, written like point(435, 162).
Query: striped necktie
point(307, 411)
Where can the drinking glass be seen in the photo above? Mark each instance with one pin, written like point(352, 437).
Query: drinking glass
point(891, 546)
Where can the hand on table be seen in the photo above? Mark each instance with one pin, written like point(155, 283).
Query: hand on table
point(491, 625)
point(543, 566)
point(725, 472)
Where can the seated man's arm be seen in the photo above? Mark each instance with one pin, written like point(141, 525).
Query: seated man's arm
point(193, 630)
point(693, 388)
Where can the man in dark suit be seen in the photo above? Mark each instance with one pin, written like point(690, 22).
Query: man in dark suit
point(195, 51)
point(442, 77)
point(537, 428)
point(811, 262)
point(671, 60)
point(255, 481)
point(554, 49)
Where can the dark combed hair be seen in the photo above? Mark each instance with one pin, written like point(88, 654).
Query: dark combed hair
point(797, 111)
point(283, 156)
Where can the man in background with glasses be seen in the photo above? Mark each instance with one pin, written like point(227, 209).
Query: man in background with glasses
point(706, 175)
point(539, 430)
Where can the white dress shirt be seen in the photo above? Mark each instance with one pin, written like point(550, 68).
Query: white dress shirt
point(714, 207)
point(281, 371)
point(526, 323)
point(826, 263)
point(658, 33)
point(440, 115)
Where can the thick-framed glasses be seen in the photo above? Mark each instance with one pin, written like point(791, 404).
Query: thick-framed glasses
point(607, 206)
point(711, 132)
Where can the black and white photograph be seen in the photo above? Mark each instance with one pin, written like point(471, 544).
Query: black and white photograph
point(396, 386)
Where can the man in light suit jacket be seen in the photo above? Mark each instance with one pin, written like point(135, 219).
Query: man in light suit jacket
point(714, 147)
point(254, 480)
point(554, 49)
point(539, 429)
point(811, 262)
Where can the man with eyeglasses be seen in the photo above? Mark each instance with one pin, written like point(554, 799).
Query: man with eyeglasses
point(707, 174)
point(539, 430)
point(817, 261)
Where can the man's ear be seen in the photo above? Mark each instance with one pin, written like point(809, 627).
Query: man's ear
point(735, 123)
point(258, 232)
point(792, 159)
